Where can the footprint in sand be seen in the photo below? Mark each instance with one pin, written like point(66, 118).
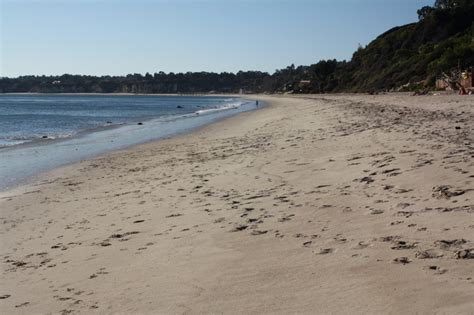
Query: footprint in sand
point(465, 254)
point(361, 245)
point(428, 254)
point(399, 245)
point(402, 260)
point(239, 228)
point(286, 218)
point(376, 211)
point(396, 222)
point(446, 192)
point(325, 251)
point(257, 232)
point(438, 270)
point(339, 238)
point(447, 244)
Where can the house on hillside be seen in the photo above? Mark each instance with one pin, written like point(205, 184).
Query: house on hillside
point(304, 83)
point(457, 80)
point(466, 79)
point(441, 84)
point(304, 86)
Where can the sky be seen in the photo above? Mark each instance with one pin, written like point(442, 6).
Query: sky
point(117, 37)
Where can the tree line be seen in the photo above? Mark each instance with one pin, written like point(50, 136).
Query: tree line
point(410, 55)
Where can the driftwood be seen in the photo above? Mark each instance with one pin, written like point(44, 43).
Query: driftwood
point(452, 80)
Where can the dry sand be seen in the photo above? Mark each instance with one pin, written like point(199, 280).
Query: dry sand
point(330, 204)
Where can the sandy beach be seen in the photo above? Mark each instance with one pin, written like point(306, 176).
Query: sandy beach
point(312, 204)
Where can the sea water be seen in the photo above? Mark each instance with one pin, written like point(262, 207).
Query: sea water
point(40, 132)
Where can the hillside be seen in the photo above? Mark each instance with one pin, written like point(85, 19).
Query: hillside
point(439, 42)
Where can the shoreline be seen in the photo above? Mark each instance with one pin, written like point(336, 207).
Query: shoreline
point(79, 139)
point(129, 94)
point(42, 176)
point(300, 205)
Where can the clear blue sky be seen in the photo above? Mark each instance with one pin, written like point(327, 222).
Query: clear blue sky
point(136, 36)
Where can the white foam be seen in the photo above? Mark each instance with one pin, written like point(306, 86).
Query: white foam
point(217, 109)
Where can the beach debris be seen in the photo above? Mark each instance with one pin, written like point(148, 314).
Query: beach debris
point(419, 92)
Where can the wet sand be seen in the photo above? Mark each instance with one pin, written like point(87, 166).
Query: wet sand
point(313, 204)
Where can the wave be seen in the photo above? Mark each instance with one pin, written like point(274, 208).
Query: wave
point(47, 137)
point(217, 109)
point(19, 140)
point(10, 143)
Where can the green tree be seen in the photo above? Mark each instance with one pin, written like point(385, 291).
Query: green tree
point(424, 12)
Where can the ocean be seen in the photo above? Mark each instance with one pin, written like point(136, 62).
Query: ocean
point(40, 132)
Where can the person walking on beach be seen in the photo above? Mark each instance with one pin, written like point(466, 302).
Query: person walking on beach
point(256, 103)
